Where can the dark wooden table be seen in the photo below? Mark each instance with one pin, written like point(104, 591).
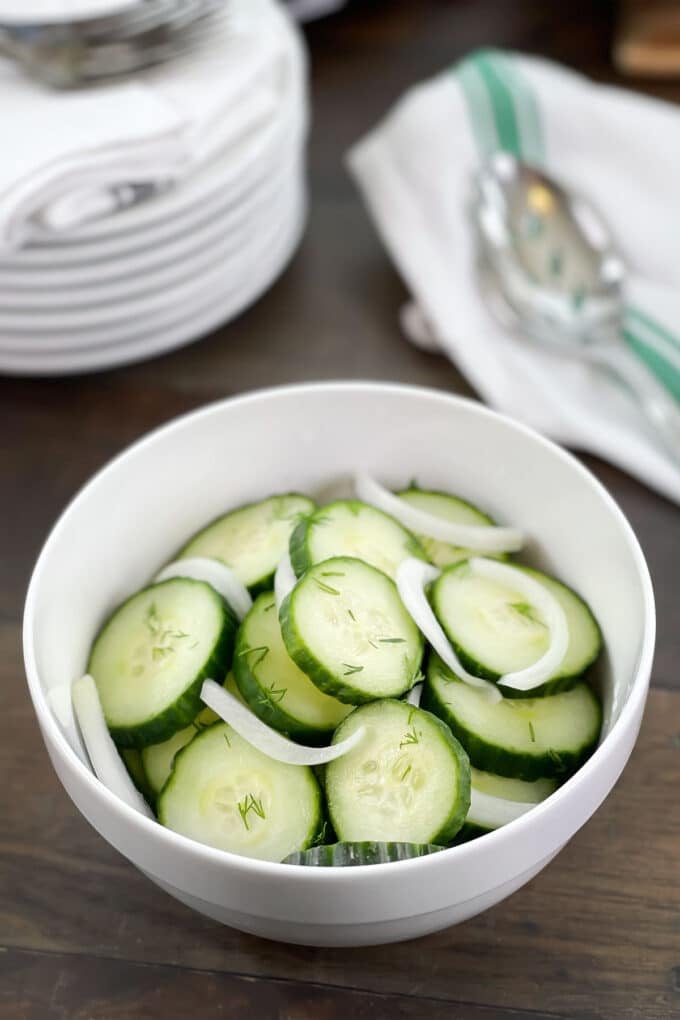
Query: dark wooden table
point(82, 934)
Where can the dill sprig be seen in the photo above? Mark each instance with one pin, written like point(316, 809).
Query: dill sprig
point(557, 760)
point(391, 640)
point(250, 803)
point(320, 836)
point(276, 694)
point(262, 650)
point(326, 587)
point(410, 737)
point(531, 732)
point(349, 669)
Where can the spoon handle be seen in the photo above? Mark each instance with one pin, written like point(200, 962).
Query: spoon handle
point(656, 403)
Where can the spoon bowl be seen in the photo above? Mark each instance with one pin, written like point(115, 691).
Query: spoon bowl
point(550, 272)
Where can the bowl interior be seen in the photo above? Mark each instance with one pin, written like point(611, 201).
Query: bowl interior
point(139, 510)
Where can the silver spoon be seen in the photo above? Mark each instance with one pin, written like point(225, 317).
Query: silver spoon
point(549, 269)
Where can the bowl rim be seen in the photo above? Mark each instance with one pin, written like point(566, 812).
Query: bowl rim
point(150, 827)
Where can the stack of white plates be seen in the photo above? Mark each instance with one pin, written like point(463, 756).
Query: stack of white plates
point(164, 271)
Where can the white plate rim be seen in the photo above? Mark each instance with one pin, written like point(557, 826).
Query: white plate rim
point(152, 311)
point(150, 269)
point(168, 339)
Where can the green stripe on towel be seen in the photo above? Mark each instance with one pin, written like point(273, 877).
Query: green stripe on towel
point(504, 114)
point(479, 108)
point(527, 113)
point(655, 346)
point(507, 129)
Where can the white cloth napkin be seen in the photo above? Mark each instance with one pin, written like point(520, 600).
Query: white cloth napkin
point(61, 151)
point(620, 150)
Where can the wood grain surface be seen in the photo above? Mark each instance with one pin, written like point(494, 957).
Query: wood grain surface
point(82, 933)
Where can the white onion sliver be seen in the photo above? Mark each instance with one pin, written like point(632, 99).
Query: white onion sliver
point(284, 579)
point(267, 740)
point(539, 596)
point(60, 702)
point(484, 538)
point(414, 695)
point(490, 811)
point(221, 577)
point(106, 762)
point(412, 577)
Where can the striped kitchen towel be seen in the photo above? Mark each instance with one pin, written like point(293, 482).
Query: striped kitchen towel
point(620, 150)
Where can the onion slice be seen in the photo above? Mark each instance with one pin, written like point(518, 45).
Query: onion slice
point(221, 577)
point(493, 812)
point(60, 702)
point(414, 695)
point(412, 577)
point(553, 614)
point(267, 740)
point(284, 580)
point(106, 762)
point(487, 539)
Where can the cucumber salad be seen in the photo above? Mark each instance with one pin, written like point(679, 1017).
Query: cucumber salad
point(355, 683)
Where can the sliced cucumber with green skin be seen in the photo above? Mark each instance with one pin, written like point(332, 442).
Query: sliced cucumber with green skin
point(348, 855)
point(152, 655)
point(157, 759)
point(408, 780)
point(226, 794)
point(253, 538)
point(231, 686)
point(449, 508)
point(132, 759)
point(274, 687)
point(345, 626)
point(351, 528)
point(494, 797)
point(494, 630)
point(528, 738)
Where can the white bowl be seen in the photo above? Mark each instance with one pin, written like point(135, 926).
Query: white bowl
point(141, 507)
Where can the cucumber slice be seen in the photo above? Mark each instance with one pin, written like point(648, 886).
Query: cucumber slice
point(449, 508)
point(132, 759)
point(152, 655)
point(228, 795)
point(231, 686)
point(407, 781)
point(157, 759)
point(252, 539)
point(527, 738)
point(345, 626)
point(348, 855)
point(273, 686)
point(351, 528)
point(497, 800)
point(494, 630)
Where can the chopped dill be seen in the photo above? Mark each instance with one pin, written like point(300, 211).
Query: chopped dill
point(262, 651)
point(410, 737)
point(349, 669)
point(326, 587)
point(250, 803)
